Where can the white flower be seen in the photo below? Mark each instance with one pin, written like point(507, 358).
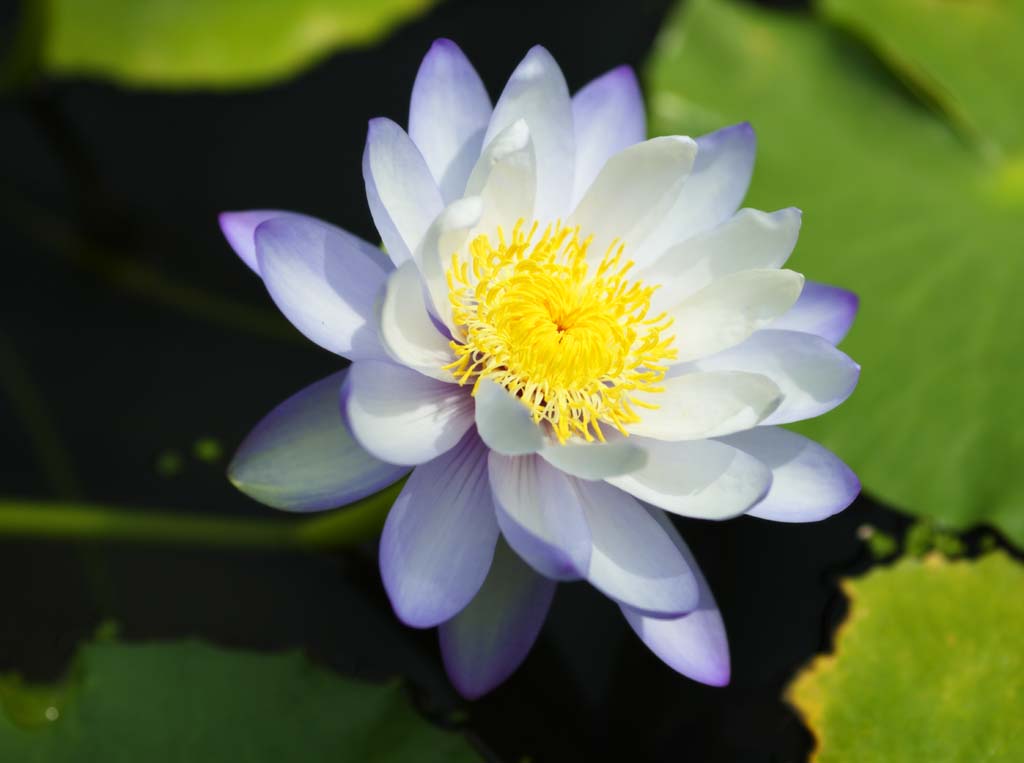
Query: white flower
point(572, 325)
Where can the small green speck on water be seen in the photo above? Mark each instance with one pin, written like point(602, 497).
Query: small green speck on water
point(107, 631)
point(949, 545)
point(920, 539)
point(169, 463)
point(925, 536)
point(881, 544)
point(208, 450)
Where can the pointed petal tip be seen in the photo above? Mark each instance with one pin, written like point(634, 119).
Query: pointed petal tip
point(469, 686)
point(623, 73)
point(742, 129)
point(239, 228)
point(376, 124)
point(444, 43)
point(717, 674)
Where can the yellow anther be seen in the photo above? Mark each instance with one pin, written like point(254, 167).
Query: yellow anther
point(571, 344)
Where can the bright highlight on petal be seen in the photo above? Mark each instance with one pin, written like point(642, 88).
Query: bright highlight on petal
point(571, 341)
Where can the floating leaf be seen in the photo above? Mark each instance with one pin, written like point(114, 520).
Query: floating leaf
point(965, 55)
point(929, 666)
point(209, 43)
point(905, 203)
point(192, 702)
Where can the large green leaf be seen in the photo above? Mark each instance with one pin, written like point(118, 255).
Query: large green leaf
point(208, 43)
point(966, 55)
point(191, 702)
point(900, 206)
point(929, 666)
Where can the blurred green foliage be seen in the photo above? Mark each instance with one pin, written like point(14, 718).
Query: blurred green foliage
point(929, 666)
point(189, 701)
point(896, 126)
point(199, 43)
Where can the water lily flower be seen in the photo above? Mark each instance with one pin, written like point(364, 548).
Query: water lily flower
point(574, 330)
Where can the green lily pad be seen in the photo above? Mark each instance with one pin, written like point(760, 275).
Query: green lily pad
point(903, 205)
point(208, 43)
point(964, 55)
point(929, 666)
point(192, 702)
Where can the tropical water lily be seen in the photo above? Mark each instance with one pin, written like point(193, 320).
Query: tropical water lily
point(573, 331)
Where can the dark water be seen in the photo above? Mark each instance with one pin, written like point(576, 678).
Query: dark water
point(105, 368)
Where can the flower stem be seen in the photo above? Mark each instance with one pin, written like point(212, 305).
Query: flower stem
point(350, 526)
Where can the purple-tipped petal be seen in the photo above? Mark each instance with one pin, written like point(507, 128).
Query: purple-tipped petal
point(827, 311)
point(721, 174)
point(401, 192)
point(694, 644)
point(567, 528)
point(536, 92)
point(809, 483)
point(608, 116)
point(239, 228)
point(539, 515)
point(813, 376)
point(632, 559)
point(712, 193)
point(400, 415)
point(487, 641)
point(439, 537)
point(325, 281)
point(301, 456)
point(448, 116)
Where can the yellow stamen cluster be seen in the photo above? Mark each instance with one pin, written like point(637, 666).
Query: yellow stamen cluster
point(571, 344)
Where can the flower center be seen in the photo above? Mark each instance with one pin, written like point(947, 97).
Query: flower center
point(570, 341)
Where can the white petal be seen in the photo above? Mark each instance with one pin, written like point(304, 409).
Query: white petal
point(814, 376)
point(596, 460)
point(439, 537)
point(406, 329)
point(809, 483)
point(540, 516)
point(401, 192)
point(748, 240)
point(445, 236)
point(448, 115)
point(632, 558)
point(633, 192)
point(505, 178)
point(731, 308)
point(401, 416)
point(706, 479)
point(537, 93)
point(607, 116)
point(706, 404)
point(504, 423)
point(713, 192)
point(325, 281)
